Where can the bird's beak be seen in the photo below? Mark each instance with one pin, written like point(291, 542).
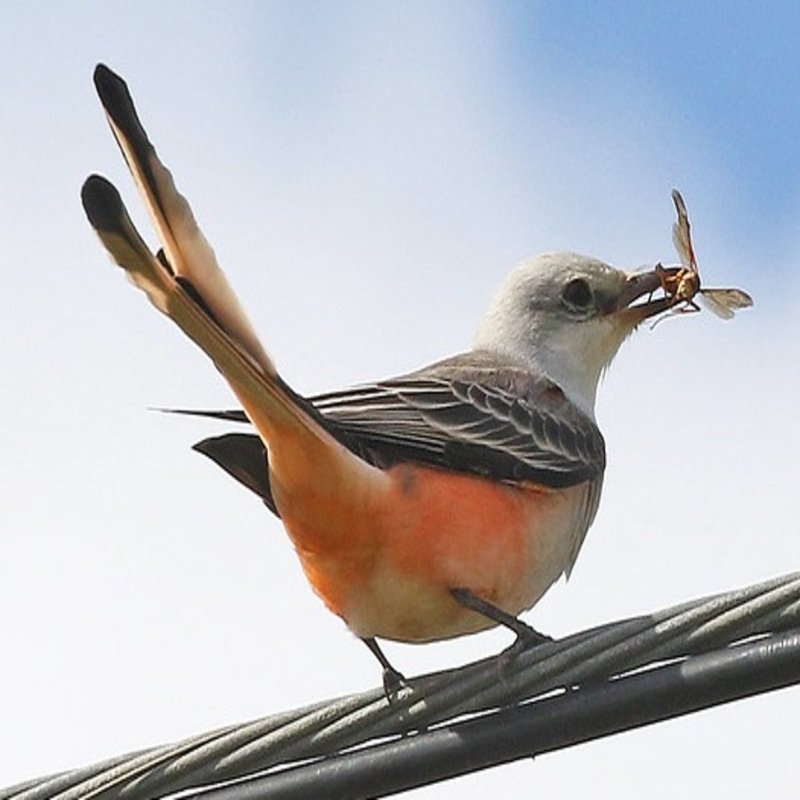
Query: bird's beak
point(638, 285)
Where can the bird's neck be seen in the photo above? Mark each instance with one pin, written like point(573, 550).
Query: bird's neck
point(577, 380)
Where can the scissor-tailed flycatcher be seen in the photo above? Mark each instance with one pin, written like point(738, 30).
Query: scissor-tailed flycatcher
point(422, 507)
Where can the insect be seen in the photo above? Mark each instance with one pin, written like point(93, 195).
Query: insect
point(682, 284)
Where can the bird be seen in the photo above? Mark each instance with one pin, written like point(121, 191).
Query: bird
point(423, 507)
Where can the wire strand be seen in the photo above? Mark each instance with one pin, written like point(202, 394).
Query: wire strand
point(628, 659)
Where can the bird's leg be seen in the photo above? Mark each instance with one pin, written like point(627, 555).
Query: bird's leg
point(526, 635)
point(392, 679)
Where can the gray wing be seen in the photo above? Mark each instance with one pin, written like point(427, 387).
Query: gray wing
point(505, 423)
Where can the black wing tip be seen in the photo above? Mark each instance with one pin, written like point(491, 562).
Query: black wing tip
point(101, 202)
point(244, 457)
point(206, 447)
point(228, 415)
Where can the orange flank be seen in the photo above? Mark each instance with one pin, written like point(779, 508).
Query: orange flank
point(386, 561)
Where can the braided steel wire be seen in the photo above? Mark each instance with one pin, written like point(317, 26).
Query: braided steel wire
point(631, 647)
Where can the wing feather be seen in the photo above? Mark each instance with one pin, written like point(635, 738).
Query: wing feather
point(500, 420)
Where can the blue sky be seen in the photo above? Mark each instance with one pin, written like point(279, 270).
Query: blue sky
point(368, 173)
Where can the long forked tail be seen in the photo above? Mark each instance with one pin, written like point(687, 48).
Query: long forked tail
point(184, 280)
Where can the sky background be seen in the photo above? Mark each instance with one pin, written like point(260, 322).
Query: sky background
point(368, 173)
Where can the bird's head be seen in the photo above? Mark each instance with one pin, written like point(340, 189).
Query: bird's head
point(567, 315)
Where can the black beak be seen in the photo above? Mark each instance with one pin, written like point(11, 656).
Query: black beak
point(640, 284)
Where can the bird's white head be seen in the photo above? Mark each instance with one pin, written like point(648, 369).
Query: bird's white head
point(566, 315)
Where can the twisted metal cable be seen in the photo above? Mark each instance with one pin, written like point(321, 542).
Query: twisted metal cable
point(532, 728)
point(585, 659)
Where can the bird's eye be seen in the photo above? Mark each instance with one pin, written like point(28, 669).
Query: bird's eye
point(577, 294)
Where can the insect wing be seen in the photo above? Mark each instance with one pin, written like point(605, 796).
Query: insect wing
point(724, 302)
point(682, 233)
